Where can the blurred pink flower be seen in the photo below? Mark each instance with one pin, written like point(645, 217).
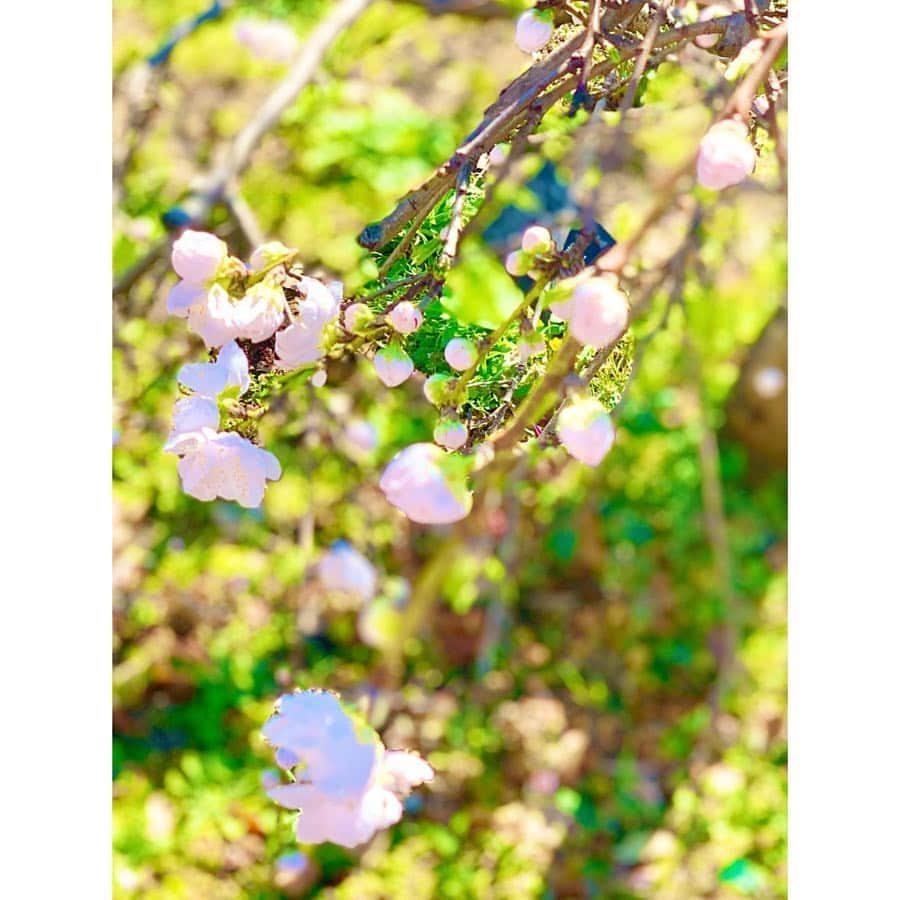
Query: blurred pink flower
point(451, 434)
point(343, 568)
point(726, 157)
point(586, 431)
point(599, 313)
point(537, 239)
point(269, 40)
point(533, 31)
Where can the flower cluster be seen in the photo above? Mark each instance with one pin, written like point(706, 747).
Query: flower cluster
point(537, 242)
point(225, 301)
point(346, 784)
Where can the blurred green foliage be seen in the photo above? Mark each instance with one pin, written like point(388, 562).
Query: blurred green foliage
point(562, 690)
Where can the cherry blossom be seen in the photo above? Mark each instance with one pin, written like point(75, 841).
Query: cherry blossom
point(342, 568)
point(189, 417)
point(726, 156)
point(451, 433)
point(361, 435)
point(348, 786)
point(214, 318)
point(302, 342)
point(210, 379)
point(261, 312)
point(198, 255)
point(599, 315)
point(461, 354)
point(518, 263)
point(274, 41)
point(392, 365)
point(226, 465)
point(533, 30)
point(418, 483)
point(356, 317)
point(586, 431)
point(183, 296)
point(405, 318)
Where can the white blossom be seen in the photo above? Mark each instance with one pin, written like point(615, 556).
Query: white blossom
point(726, 156)
point(198, 255)
point(211, 379)
point(599, 315)
point(189, 417)
point(214, 318)
point(342, 568)
point(451, 433)
point(260, 313)
point(417, 482)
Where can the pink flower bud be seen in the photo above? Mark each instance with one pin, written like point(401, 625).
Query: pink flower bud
point(533, 30)
point(405, 318)
point(599, 313)
point(197, 255)
point(356, 317)
point(343, 568)
point(498, 154)
point(451, 434)
point(416, 482)
point(319, 377)
point(392, 365)
point(461, 354)
point(537, 240)
point(518, 263)
point(586, 431)
point(726, 156)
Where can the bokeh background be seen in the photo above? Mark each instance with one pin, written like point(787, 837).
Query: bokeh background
point(602, 686)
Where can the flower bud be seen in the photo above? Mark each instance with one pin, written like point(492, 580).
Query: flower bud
point(405, 318)
point(392, 365)
point(586, 431)
point(451, 433)
point(197, 256)
point(518, 263)
point(498, 154)
point(533, 30)
point(437, 388)
point(342, 568)
point(270, 254)
point(461, 354)
point(707, 41)
point(726, 156)
point(537, 240)
point(319, 377)
point(357, 317)
point(599, 313)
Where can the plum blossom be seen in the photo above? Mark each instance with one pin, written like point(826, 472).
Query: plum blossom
point(418, 483)
point(210, 379)
point(498, 154)
point(184, 296)
point(392, 365)
point(348, 786)
point(451, 433)
point(190, 416)
point(226, 465)
point(342, 568)
point(361, 435)
point(405, 317)
point(726, 157)
point(259, 315)
point(599, 314)
point(537, 240)
point(197, 256)
point(533, 30)
point(274, 41)
point(586, 431)
point(461, 354)
point(302, 342)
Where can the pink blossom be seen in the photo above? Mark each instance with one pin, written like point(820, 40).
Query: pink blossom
point(326, 296)
point(537, 240)
point(356, 317)
point(214, 319)
point(586, 431)
point(348, 786)
point(190, 416)
point(533, 30)
point(600, 313)
point(417, 483)
point(707, 41)
point(405, 318)
point(261, 312)
point(302, 342)
point(319, 378)
point(361, 435)
point(269, 40)
point(210, 379)
point(461, 354)
point(498, 154)
point(197, 256)
point(451, 434)
point(726, 156)
point(343, 568)
point(226, 465)
point(392, 365)
point(184, 296)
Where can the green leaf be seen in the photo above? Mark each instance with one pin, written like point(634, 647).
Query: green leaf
point(478, 291)
point(745, 876)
